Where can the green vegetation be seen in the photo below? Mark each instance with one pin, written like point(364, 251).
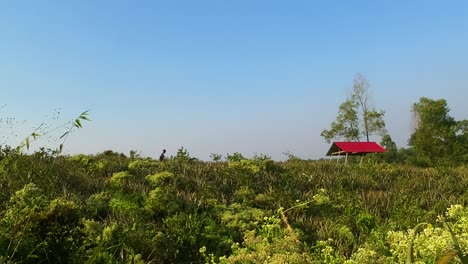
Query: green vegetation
point(438, 139)
point(356, 116)
point(405, 206)
point(109, 208)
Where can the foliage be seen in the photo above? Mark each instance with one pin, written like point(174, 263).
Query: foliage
point(235, 157)
point(438, 138)
point(183, 155)
point(270, 243)
point(433, 241)
point(346, 125)
point(109, 208)
point(356, 116)
point(41, 131)
point(391, 154)
point(216, 157)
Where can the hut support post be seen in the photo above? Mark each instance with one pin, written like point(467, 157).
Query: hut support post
point(346, 160)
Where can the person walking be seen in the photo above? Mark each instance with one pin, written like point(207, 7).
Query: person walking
point(162, 157)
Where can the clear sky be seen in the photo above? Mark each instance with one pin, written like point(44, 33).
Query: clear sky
point(215, 76)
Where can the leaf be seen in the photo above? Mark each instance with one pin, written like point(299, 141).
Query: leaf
point(64, 134)
point(409, 249)
point(59, 149)
point(27, 143)
point(35, 135)
point(84, 116)
point(447, 257)
point(78, 123)
point(456, 245)
point(409, 252)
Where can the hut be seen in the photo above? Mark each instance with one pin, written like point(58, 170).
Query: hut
point(354, 148)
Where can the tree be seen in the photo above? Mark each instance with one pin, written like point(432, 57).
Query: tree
point(346, 125)
point(356, 116)
point(438, 138)
point(391, 154)
point(461, 149)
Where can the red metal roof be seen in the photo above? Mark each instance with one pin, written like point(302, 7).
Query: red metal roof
point(355, 147)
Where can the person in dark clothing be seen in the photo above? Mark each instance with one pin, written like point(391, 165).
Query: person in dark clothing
point(162, 157)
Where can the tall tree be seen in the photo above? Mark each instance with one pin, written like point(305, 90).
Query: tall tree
point(438, 138)
point(357, 117)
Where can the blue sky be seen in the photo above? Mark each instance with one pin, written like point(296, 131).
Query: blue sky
point(262, 77)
